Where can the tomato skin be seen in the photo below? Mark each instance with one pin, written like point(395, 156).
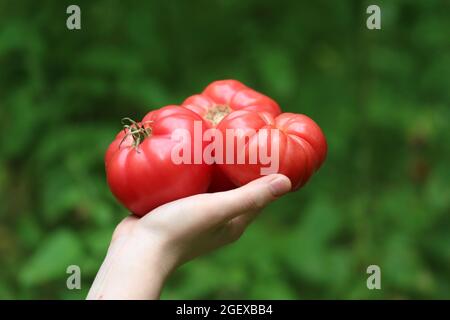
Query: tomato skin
point(220, 181)
point(226, 97)
point(232, 94)
point(145, 177)
point(302, 145)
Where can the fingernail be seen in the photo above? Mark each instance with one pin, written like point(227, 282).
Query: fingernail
point(279, 186)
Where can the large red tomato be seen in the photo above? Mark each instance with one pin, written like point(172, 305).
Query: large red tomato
point(301, 144)
point(219, 99)
point(139, 166)
point(222, 97)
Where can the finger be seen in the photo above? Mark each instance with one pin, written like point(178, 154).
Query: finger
point(249, 198)
point(237, 225)
point(217, 208)
point(124, 227)
point(242, 221)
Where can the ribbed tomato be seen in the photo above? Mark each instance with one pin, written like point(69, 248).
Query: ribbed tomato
point(300, 143)
point(218, 100)
point(139, 166)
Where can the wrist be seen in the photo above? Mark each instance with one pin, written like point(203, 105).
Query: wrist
point(135, 268)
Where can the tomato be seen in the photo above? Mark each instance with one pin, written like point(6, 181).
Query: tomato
point(139, 168)
point(300, 141)
point(221, 98)
point(220, 181)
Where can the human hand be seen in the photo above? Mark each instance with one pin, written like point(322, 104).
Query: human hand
point(144, 251)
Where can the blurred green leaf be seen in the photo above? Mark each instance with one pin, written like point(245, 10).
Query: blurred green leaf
point(49, 262)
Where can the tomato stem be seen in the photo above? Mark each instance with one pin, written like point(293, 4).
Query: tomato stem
point(137, 130)
point(217, 113)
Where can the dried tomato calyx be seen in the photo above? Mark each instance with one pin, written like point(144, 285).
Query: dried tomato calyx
point(217, 113)
point(139, 131)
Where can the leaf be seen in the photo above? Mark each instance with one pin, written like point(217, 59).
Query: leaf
point(276, 70)
point(402, 267)
point(51, 259)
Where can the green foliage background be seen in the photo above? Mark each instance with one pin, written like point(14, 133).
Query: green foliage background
point(381, 97)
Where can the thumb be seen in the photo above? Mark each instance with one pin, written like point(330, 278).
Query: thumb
point(251, 197)
point(216, 208)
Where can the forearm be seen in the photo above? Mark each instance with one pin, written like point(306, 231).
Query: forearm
point(134, 268)
point(145, 251)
